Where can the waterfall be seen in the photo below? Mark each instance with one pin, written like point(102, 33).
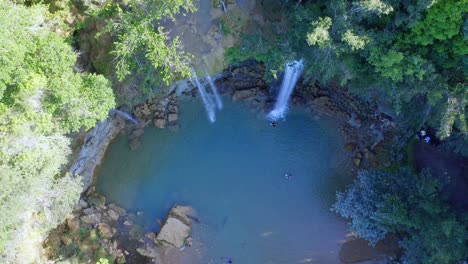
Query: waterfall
point(223, 5)
point(206, 98)
point(291, 75)
point(219, 103)
point(126, 116)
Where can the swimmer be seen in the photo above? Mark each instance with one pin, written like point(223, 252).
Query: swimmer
point(273, 124)
point(288, 175)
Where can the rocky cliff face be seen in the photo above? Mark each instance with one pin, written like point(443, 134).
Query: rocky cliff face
point(94, 148)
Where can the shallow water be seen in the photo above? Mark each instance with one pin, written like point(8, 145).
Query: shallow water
point(232, 173)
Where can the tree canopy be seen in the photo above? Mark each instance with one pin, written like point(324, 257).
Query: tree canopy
point(411, 206)
point(396, 52)
point(42, 98)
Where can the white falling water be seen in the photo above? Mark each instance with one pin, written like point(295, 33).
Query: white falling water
point(126, 116)
point(291, 74)
point(219, 103)
point(206, 98)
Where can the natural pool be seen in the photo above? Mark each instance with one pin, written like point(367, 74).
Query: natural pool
point(232, 173)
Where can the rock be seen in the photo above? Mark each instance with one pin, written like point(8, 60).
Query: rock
point(137, 133)
point(97, 200)
point(356, 161)
point(83, 203)
point(177, 227)
point(149, 251)
point(89, 211)
point(174, 232)
point(128, 223)
point(172, 118)
point(91, 156)
point(350, 147)
point(119, 210)
point(134, 144)
point(160, 122)
point(151, 236)
point(113, 215)
point(322, 101)
point(73, 224)
point(183, 213)
point(105, 230)
point(91, 219)
point(91, 190)
point(66, 240)
point(243, 94)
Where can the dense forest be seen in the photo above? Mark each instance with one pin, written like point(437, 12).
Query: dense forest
point(407, 57)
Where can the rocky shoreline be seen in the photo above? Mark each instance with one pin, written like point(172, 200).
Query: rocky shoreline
point(110, 230)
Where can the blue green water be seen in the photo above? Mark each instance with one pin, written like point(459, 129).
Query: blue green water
point(232, 173)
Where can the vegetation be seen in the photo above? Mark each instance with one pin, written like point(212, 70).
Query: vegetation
point(399, 53)
point(411, 206)
point(143, 52)
point(42, 98)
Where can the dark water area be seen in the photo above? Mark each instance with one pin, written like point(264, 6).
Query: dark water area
point(232, 173)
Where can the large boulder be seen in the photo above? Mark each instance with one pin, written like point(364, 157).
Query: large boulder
point(177, 227)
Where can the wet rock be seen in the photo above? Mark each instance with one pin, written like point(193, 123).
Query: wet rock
point(151, 236)
point(134, 144)
point(356, 161)
point(149, 250)
point(105, 230)
point(91, 219)
point(243, 94)
point(172, 118)
point(137, 133)
point(83, 203)
point(160, 122)
point(89, 211)
point(350, 147)
point(97, 200)
point(113, 215)
point(322, 101)
point(119, 210)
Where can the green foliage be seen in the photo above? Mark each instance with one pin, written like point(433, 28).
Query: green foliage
point(142, 48)
point(410, 205)
point(397, 52)
point(41, 99)
point(320, 35)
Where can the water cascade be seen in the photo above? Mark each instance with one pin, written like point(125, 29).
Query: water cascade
point(219, 103)
point(206, 98)
point(126, 116)
point(291, 75)
point(223, 5)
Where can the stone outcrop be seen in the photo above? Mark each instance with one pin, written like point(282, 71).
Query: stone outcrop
point(94, 148)
point(177, 227)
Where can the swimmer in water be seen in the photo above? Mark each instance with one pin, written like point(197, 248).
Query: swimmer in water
point(288, 175)
point(273, 124)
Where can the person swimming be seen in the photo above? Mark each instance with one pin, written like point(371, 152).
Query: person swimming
point(288, 175)
point(273, 124)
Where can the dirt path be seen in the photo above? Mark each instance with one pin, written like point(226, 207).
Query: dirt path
point(448, 168)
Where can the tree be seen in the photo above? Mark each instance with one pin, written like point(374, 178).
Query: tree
point(142, 47)
point(42, 98)
point(411, 206)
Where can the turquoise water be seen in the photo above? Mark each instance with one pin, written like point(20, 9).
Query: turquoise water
point(232, 173)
